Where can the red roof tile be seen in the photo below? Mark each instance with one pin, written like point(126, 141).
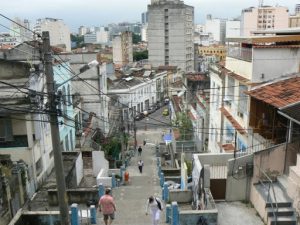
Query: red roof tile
point(191, 116)
point(279, 94)
point(234, 123)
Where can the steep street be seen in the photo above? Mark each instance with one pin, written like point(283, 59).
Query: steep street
point(131, 198)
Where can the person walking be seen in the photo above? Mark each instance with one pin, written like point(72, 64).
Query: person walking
point(140, 150)
point(155, 205)
point(107, 207)
point(140, 165)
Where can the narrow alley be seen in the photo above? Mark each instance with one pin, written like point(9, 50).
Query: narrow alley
point(131, 198)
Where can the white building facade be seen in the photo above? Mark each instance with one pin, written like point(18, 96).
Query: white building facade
point(253, 60)
point(122, 48)
point(264, 18)
point(59, 32)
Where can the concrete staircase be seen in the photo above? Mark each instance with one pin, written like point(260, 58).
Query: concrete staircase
point(284, 213)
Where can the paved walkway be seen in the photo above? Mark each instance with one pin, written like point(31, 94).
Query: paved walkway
point(131, 199)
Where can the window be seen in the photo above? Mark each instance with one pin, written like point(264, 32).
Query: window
point(69, 95)
point(242, 104)
point(67, 143)
point(71, 140)
point(229, 134)
point(230, 91)
point(6, 131)
point(241, 145)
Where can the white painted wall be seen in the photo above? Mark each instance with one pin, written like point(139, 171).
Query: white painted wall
point(233, 28)
point(99, 162)
point(274, 62)
point(215, 114)
point(79, 168)
point(239, 67)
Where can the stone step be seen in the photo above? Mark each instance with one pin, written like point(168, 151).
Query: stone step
point(279, 204)
point(286, 220)
point(282, 211)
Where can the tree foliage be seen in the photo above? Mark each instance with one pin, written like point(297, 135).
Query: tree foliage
point(184, 125)
point(79, 40)
point(136, 38)
point(112, 148)
point(137, 56)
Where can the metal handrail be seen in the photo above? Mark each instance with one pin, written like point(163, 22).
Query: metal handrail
point(269, 197)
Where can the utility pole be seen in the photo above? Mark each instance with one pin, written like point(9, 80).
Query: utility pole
point(57, 152)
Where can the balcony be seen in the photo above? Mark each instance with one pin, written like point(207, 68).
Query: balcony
point(18, 141)
point(244, 54)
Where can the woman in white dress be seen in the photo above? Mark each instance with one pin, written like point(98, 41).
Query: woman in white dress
point(155, 205)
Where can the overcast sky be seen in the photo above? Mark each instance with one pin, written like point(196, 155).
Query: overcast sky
point(101, 12)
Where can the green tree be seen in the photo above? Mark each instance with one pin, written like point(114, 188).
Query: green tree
point(112, 148)
point(137, 56)
point(136, 38)
point(79, 40)
point(185, 126)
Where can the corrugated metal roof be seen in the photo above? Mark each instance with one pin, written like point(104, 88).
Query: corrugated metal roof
point(218, 171)
point(292, 111)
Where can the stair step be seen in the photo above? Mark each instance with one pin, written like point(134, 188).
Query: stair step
point(282, 211)
point(279, 204)
point(283, 182)
point(283, 220)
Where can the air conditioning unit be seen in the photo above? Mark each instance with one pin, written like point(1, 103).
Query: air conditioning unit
point(227, 101)
point(240, 114)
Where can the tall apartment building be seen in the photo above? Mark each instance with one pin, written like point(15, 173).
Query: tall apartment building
point(58, 31)
point(294, 20)
point(217, 27)
point(170, 34)
point(82, 30)
point(122, 48)
point(297, 8)
point(233, 28)
point(263, 18)
point(144, 17)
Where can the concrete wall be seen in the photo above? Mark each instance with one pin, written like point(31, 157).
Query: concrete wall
point(189, 217)
point(99, 162)
point(238, 181)
point(270, 160)
point(264, 58)
point(80, 195)
point(180, 196)
point(79, 169)
point(240, 67)
point(257, 201)
point(215, 159)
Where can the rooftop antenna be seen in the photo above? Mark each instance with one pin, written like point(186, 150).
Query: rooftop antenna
point(260, 3)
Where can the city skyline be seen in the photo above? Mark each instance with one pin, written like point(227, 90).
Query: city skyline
point(103, 12)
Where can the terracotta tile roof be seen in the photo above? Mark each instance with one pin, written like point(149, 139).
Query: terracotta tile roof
point(276, 46)
point(167, 68)
point(196, 77)
point(176, 101)
point(228, 148)
point(200, 103)
point(191, 116)
point(280, 93)
point(234, 75)
point(234, 123)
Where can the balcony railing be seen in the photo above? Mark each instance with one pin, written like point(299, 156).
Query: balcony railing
point(18, 141)
point(240, 53)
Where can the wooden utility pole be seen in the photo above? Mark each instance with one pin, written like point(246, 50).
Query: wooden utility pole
point(57, 151)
